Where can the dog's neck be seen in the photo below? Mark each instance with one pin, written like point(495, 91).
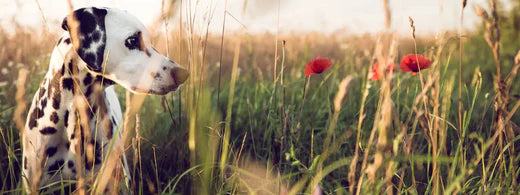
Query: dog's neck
point(69, 83)
point(70, 72)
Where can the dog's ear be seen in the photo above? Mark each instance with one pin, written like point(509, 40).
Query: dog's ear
point(64, 24)
point(86, 27)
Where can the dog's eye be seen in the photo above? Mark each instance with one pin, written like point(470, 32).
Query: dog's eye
point(132, 42)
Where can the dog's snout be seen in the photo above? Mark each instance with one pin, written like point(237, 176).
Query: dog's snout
point(179, 74)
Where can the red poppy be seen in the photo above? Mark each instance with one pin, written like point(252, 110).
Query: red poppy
point(376, 73)
point(317, 66)
point(409, 63)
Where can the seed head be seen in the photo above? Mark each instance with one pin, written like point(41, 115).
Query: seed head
point(412, 26)
point(481, 12)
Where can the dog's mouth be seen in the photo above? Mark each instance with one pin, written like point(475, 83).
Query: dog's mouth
point(162, 91)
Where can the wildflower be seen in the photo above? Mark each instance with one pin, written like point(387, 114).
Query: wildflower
point(414, 62)
point(377, 72)
point(317, 66)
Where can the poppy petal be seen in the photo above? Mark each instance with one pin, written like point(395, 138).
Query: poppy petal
point(317, 66)
point(414, 63)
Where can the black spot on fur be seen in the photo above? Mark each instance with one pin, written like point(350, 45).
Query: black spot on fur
point(24, 162)
point(98, 160)
point(164, 68)
point(67, 41)
point(37, 113)
point(62, 69)
point(69, 188)
point(55, 167)
point(34, 116)
point(85, 43)
point(72, 136)
point(66, 118)
point(88, 165)
point(71, 67)
point(68, 84)
point(50, 151)
point(59, 41)
point(54, 117)
point(70, 164)
point(87, 80)
point(44, 103)
point(88, 91)
point(105, 81)
point(67, 145)
point(90, 113)
point(86, 20)
point(113, 120)
point(89, 58)
point(32, 123)
point(100, 50)
point(96, 36)
point(48, 130)
point(98, 152)
point(56, 98)
point(42, 92)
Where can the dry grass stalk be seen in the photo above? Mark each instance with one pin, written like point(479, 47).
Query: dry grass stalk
point(501, 125)
point(221, 50)
point(327, 148)
point(353, 164)
point(385, 51)
point(276, 44)
point(36, 178)
point(133, 105)
point(388, 14)
point(492, 37)
point(461, 48)
point(81, 123)
point(227, 128)
point(138, 140)
point(136, 146)
point(385, 62)
point(437, 130)
point(21, 105)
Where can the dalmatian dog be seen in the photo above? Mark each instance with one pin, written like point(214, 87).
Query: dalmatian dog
point(99, 48)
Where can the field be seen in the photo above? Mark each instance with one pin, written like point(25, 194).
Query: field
point(249, 121)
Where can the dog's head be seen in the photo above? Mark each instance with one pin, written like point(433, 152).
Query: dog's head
point(114, 44)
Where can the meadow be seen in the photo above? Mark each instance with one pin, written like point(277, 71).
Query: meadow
point(249, 121)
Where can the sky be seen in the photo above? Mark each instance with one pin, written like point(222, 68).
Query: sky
point(260, 16)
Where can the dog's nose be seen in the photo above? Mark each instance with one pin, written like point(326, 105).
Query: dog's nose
point(179, 74)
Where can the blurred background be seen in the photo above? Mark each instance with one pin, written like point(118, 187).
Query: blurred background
point(272, 130)
point(260, 16)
